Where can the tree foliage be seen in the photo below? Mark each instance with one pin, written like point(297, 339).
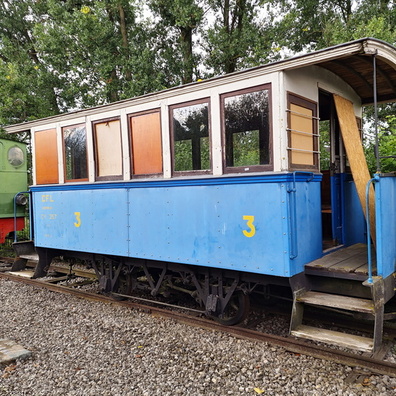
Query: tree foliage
point(179, 19)
point(59, 55)
point(314, 24)
point(98, 51)
point(240, 37)
point(387, 146)
point(26, 89)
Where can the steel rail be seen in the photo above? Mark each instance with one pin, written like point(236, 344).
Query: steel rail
point(288, 343)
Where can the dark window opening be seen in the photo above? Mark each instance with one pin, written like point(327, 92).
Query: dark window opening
point(191, 144)
point(75, 147)
point(247, 128)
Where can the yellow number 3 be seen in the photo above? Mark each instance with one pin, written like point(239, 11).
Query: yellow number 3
point(78, 219)
point(249, 223)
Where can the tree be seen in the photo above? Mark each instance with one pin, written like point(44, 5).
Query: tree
point(387, 143)
point(27, 89)
point(240, 37)
point(98, 51)
point(56, 56)
point(179, 19)
point(313, 24)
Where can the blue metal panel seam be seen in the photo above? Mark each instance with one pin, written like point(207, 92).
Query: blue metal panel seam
point(285, 231)
point(128, 222)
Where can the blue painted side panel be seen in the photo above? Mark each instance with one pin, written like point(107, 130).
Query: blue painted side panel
point(82, 221)
point(385, 193)
point(354, 229)
point(307, 230)
point(204, 226)
point(336, 182)
point(197, 223)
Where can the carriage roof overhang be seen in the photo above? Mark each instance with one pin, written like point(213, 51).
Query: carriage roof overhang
point(352, 62)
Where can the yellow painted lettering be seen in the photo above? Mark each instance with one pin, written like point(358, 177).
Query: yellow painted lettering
point(249, 223)
point(78, 219)
point(46, 198)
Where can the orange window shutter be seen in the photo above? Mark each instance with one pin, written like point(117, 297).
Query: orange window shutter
point(146, 143)
point(46, 157)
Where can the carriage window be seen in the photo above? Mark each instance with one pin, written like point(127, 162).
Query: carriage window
point(247, 128)
point(46, 157)
point(191, 146)
point(146, 143)
point(75, 146)
point(108, 149)
point(303, 136)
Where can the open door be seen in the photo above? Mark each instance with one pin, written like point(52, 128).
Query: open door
point(333, 168)
point(354, 149)
point(344, 170)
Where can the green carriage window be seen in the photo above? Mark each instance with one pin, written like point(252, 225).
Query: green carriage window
point(246, 124)
point(191, 145)
point(75, 150)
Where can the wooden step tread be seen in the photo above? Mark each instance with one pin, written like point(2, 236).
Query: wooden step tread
point(23, 273)
point(334, 338)
point(337, 301)
point(33, 257)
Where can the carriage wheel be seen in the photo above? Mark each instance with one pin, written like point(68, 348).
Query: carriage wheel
point(124, 285)
point(236, 310)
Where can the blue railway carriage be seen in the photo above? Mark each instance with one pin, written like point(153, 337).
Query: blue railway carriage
point(229, 185)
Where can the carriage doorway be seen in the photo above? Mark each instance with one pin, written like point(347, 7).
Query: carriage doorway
point(333, 166)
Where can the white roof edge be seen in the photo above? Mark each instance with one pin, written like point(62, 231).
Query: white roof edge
point(367, 45)
point(384, 50)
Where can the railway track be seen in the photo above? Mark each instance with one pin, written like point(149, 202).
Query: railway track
point(373, 364)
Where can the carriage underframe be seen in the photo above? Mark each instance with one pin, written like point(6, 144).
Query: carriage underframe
point(221, 294)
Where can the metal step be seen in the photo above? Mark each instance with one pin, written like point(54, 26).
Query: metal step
point(32, 257)
point(337, 301)
point(334, 338)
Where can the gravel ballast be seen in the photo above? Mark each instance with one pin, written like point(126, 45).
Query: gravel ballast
point(85, 348)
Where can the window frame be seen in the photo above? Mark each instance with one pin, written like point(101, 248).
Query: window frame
point(298, 100)
point(248, 168)
point(130, 137)
point(66, 180)
point(96, 154)
point(205, 100)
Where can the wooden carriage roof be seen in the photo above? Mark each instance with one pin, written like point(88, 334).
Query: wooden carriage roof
point(357, 71)
point(352, 62)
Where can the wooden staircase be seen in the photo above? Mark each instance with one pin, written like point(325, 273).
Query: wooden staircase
point(348, 264)
point(373, 307)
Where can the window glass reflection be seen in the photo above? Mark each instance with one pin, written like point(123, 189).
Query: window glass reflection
point(191, 137)
point(246, 118)
point(75, 145)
